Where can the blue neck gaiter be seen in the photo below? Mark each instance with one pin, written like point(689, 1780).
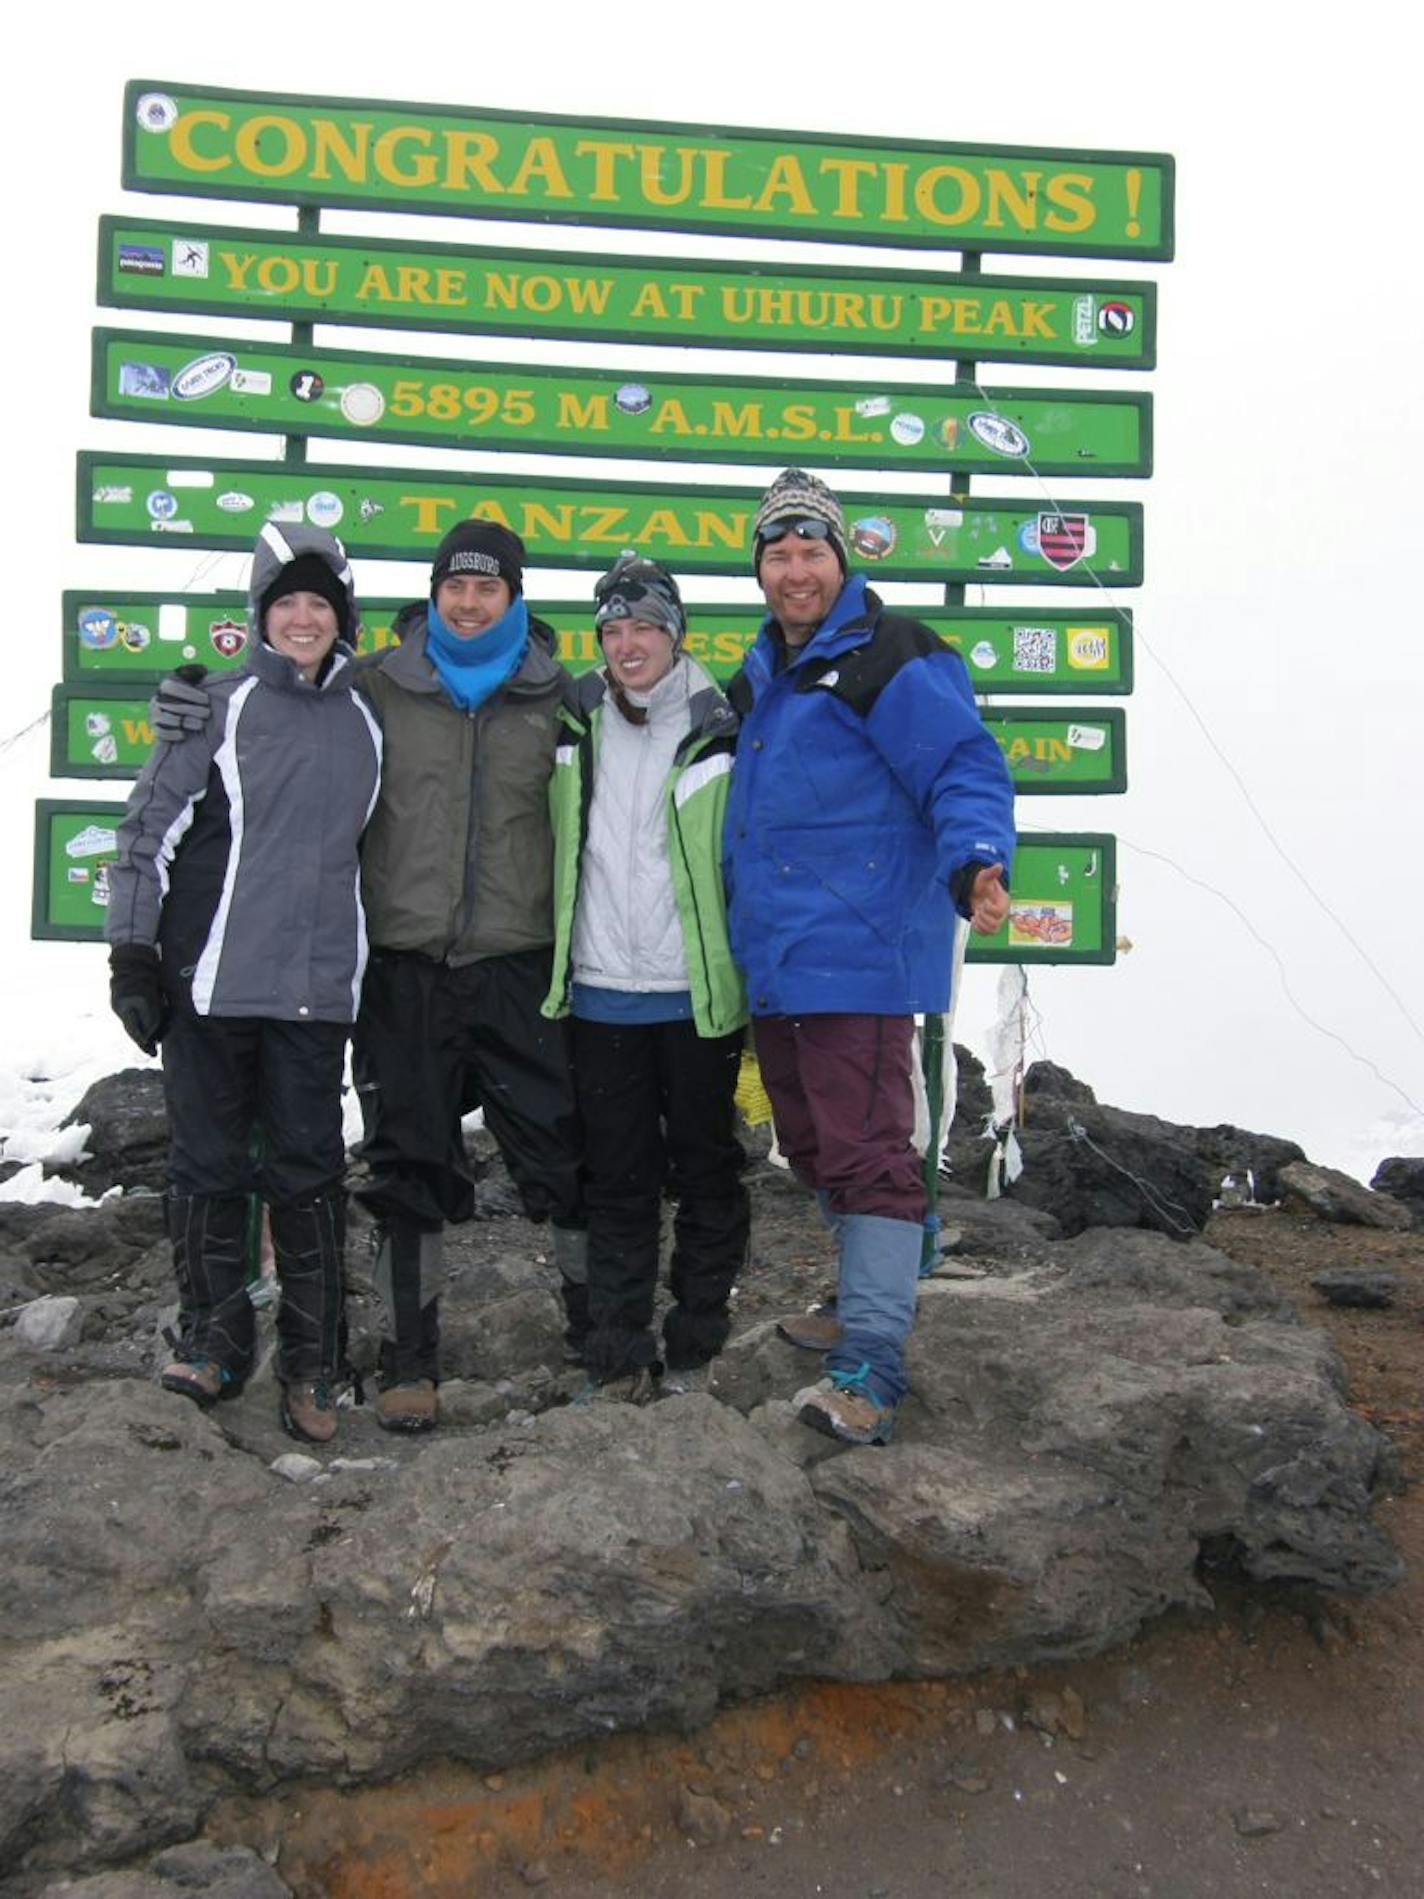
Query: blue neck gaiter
point(474, 669)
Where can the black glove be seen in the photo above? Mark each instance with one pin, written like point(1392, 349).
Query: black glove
point(181, 705)
point(136, 994)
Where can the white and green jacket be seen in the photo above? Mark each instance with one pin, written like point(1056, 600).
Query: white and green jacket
point(637, 814)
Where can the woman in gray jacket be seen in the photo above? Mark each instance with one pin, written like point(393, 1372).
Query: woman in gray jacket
point(237, 940)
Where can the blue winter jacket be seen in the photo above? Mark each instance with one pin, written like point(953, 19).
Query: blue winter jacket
point(864, 780)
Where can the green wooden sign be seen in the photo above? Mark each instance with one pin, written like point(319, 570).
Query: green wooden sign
point(75, 844)
point(214, 382)
point(144, 499)
point(1064, 898)
point(103, 731)
point(205, 268)
point(474, 162)
point(1080, 750)
point(1064, 903)
point(119, 637)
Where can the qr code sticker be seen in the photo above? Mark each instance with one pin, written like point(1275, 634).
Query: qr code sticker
point(1035, 649)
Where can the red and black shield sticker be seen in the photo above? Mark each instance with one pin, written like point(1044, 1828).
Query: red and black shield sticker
point(1063, 539)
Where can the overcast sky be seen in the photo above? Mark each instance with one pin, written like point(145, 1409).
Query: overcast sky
point(1282, 535)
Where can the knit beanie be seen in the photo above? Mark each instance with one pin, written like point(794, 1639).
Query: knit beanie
point(638, 589)
point(796, 503)
point(309, 573)
point(480, 547)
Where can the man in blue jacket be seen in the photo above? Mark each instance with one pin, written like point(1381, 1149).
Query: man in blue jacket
point(869, 805)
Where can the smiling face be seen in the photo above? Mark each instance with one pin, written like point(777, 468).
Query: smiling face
point(802, 581)
point(638, 653)
point(302, 627)
point(471, 603)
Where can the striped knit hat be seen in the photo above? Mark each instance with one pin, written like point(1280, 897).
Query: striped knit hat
point(793, 498)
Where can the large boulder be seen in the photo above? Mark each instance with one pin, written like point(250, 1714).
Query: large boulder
point(1402, 1178)
point(127, 1144)
point(1332, 1195)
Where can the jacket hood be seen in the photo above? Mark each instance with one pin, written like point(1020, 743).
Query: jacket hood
point(281, 543)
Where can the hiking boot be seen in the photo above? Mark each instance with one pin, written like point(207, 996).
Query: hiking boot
point(408, 1406)
point(638, 1387)
point(201, 1379)
point(309, 1412)
point(816, 1331)
point(843, 1406)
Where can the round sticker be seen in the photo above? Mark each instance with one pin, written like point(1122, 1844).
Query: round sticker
point(362, 404)
point(1116, 319)
point(873, 536)
point(306, 385)
point(324, 509)
point(1028, 536)
point(98, 629)
point(162, 506)
point(203, 376)
point(135, 635)
point(634, 399)
point(908, 429)
point(998, 434)
point(156, 112)
point(982, 653)
point(235, 502)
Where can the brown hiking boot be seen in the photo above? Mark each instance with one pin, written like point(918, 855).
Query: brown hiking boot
point(309, 1412)
point(408, 1406)
point(812, 1331)
point(201, 1379)
point(845, 1410)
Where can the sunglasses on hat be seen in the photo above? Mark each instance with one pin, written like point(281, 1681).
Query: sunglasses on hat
point(806, 527)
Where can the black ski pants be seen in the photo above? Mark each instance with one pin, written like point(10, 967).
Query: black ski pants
point(430, 1040)
point(656, 1103)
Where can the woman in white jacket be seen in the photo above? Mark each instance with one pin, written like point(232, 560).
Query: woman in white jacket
point(642, 965)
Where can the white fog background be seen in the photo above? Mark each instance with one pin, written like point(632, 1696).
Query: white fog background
point(1279, 626)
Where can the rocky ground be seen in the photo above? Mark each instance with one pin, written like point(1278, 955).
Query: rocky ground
point(1133, 1560)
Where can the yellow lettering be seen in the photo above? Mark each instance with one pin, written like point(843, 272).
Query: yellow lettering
point(895, 175)
point(413, 284)
point(490, 511)
point(541, 160)
point(786, 180)
point(650, 303)
point(663, 525)
point(137, 731)
point(654, 191)
point(278, 276)
point(848, 173)
point(469, 156)
point(180, 141)
point(605, 524)
point(586, 294)
point(1022, 204)
point(743, 421)
point(427, 512)
point(421, 169)
point(575, 413)
point(731, 531)
point(331, 143)
point(1071, 191)
point(688, 297)
point(237, 267)
point(798, 422)
point(450, 287)
point(714, 190)
point(1037, 320)
point(501, 292)
point(248, 146)
point(965, 183)
point(605, 167)
point(671, 416)
point(375, 286)
point(557, 523)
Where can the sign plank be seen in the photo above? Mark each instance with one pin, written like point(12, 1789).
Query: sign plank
point(379, 282)
point(278, 389)
point(1064, 887)
point(553, 409)
point(471, 161)
point(104, 732)
point(119, 636)
point(141, 499)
